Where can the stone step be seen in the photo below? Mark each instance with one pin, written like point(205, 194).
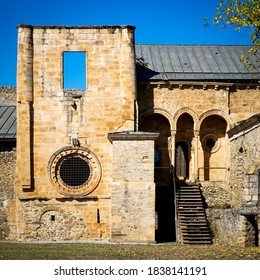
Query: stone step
point(197, 242)
point(191, 215)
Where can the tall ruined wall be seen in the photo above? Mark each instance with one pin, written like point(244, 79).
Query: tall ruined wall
point(66, 130)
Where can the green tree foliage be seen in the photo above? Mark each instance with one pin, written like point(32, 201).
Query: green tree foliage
point(239, 14)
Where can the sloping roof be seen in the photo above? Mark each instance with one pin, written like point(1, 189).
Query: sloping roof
point(7, 121)
point(244, 126)
point(195, 62)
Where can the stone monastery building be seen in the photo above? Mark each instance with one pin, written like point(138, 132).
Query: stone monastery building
point(161, 145)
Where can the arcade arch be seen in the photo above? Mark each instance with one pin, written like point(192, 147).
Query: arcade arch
point(214, 148)
point(183, 147)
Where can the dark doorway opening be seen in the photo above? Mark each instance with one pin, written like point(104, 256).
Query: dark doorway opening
point(182, 160)
point(163, 176)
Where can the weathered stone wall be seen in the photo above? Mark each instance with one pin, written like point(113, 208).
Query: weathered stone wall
point(225, 225)
point(52, 119)
point(7, 167)
point(133, 189)
point(7, 95)
point(244, 102)
point(240, 223)
point(245, 165)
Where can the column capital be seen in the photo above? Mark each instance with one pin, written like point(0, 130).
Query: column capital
point(173, 132)
point(196, 133)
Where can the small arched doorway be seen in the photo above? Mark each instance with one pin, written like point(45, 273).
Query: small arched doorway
point(164, 194)
point(182, 160)
point(183, 151)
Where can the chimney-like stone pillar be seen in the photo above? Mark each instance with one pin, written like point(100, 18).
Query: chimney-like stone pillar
point(133, 187)
point(24, 105)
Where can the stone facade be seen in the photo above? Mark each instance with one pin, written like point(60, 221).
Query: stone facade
point(194, 114)
point(73, 126)
point(101, 163)
point(7, 166)
point(133, 188)
point(245, 176)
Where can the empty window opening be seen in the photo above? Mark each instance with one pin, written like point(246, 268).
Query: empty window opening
point(52, 218)
point(74, 70)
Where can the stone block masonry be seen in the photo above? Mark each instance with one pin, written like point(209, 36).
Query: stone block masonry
point(101, 161)
point(59, 132)
point(133, 188)
point(7, 95)
point(7, 167)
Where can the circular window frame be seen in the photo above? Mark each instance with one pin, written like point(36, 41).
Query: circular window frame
point(211, 137)
point(59, 158)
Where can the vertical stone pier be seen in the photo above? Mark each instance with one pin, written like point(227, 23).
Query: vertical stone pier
point(133, 187)
point(24, 105)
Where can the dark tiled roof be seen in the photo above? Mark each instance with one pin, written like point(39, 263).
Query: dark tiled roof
point(7, 121)
point(195, 62)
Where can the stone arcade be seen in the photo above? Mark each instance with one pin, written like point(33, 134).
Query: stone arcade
point(159, 132)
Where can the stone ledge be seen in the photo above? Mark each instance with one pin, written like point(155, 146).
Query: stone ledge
point(62, 199)
point(245, 211)
point(76, 27)
point(132, 135)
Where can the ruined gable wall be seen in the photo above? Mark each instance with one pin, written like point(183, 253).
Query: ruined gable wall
point(49, 118)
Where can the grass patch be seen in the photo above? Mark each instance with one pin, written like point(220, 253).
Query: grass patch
point(96, 251)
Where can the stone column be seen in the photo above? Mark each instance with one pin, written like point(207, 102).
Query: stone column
point(196, 154)
point(24, 105)
point(133, 187)
point(173, 135)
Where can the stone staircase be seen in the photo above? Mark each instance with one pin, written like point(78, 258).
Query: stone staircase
point(192, 220)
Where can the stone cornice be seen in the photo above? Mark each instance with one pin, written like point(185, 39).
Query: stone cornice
point(76, 27)
point(132, 135)
point(217, 85)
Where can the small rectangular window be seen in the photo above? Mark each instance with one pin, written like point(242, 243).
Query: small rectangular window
point(74, 70)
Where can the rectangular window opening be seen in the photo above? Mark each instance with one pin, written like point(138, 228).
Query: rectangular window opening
point(74, 70)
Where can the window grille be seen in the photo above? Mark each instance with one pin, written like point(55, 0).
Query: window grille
point(74, 172)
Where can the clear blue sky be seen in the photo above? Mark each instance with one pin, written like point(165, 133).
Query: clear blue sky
point(157, 22)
